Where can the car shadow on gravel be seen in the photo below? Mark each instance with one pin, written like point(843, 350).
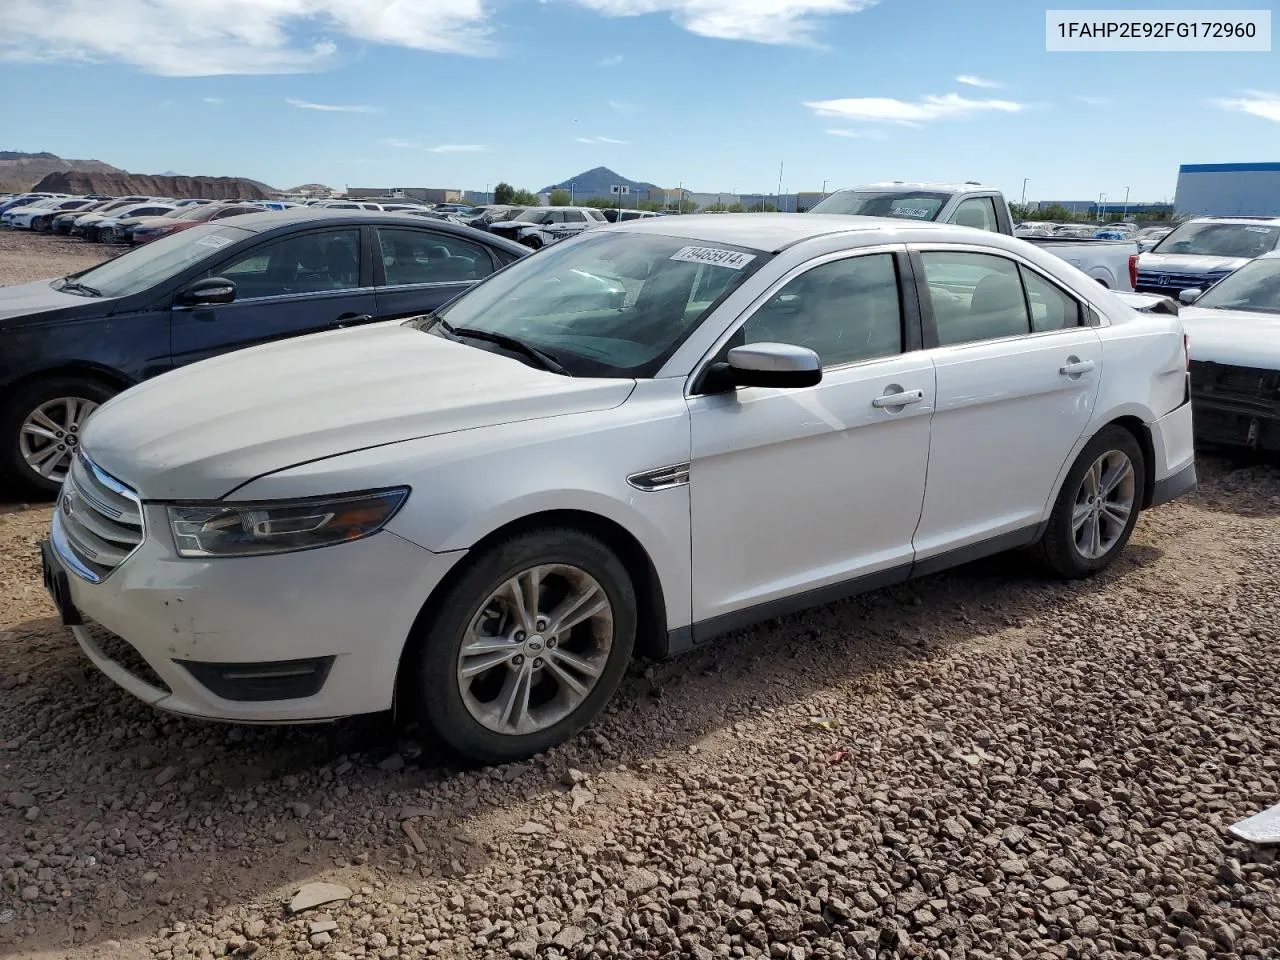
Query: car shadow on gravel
point(155, 816)
point(1243, 483)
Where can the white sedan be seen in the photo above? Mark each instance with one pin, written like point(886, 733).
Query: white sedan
point(634, 441)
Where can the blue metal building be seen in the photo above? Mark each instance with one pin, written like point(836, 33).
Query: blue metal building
point(1228, 189)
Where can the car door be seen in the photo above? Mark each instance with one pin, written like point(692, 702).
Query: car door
point(1018, 366)
point(301, 283)
point(420, 270)
point(797, 491)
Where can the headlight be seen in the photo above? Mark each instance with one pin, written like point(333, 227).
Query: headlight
point(282, 526)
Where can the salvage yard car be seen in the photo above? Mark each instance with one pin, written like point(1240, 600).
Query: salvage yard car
point(1202, 251)
point(1112, 263)
point(71, 343)
point(1234, 328)
point(539, 226)
point(481, 513)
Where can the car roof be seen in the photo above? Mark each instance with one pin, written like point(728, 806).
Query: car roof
point(271, 220)
point(936, 186)
point(775, 232)
point(1236, 221)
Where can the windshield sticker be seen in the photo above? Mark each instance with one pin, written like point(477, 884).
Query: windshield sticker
point(914, 212)
point(1259, 229)
point(718, 258)
point(213, 241)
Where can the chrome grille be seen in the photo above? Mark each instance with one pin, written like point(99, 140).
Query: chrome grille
point(1174, 280)
point(98, 521)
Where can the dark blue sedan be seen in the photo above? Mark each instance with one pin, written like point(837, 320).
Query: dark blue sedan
point(72, 343)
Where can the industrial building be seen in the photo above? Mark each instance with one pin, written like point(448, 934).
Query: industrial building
point(423, 194)
point(1228, 189)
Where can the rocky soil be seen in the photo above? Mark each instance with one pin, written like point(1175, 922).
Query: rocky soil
point(983, 764)
point(25, 257)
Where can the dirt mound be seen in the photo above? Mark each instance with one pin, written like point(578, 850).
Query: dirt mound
point(21, 171)
point(121, 184)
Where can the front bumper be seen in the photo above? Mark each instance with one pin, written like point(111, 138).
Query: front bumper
point(1236, 406)
point(332, 621)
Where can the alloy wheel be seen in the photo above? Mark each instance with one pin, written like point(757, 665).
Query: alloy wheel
point(50, 435)
point(536, 649)
point(1103, 504)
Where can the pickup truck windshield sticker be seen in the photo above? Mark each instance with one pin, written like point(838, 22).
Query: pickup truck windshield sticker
point(719, 258)
point(916, 213)
point(214, 241)
point(1259, 229)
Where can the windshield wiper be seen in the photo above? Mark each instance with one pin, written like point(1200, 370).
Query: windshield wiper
point(507, 342)
point(82, 287)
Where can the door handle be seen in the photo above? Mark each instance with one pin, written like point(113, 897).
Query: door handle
point(1074, 367)
point(347, 319)
point(899, 399)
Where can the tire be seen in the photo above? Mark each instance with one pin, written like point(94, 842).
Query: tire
point(40, 225)
point(533, 243)
point(107, 235)
point(467, 713)
point(16, 445)
point(1067, 547)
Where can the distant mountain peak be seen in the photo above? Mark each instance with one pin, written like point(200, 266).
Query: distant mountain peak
point(597, 182)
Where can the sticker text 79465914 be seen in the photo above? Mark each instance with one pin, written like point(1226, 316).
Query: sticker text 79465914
point(714, 256)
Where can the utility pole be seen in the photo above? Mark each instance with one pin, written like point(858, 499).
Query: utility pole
point(824, 189)
point(1101, 201)
point(1024, 190)
point(1125, 215)
point(778, 204)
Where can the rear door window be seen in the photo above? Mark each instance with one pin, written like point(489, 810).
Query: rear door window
point(423, 256)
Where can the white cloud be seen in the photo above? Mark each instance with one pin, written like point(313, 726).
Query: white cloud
point(611, 61)
point(189, 38)
point(1255, 103)
point(760, 21)
point(970, 80)
point(398, 144)
point(600, 140)
point(622, 106)
point(214, 100)
point(857, 134)
point(1095, 101)
point(459, 148)
point(890, 110)
point(329, 107)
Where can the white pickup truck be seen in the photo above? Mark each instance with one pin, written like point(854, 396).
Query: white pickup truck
point(1113, 263)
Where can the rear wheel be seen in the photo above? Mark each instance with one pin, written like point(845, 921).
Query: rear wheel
point(527, 646)
point(533, 243)
point(40, 426)
point(40, 224)
point(1097, 507)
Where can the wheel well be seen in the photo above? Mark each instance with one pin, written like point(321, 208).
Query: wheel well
point(102, 377)
point(651, 625)
point(1143, 436)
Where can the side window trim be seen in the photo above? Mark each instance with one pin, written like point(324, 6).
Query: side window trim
point(270, 241)
point(380, 270)
point(910, 310)
point(928, 321)
point(1023, 270)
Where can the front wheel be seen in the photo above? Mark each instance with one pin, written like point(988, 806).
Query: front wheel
point(527, 646)
point(40, 427)
point(533, 243)
point(1097, 507)
point(40, 225)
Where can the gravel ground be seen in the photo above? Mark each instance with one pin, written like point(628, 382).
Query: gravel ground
point(982, 764)
point(25, 257)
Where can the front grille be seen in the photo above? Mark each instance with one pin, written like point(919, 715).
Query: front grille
point(1173, 280)
point(1250, 383)
point(98, 521)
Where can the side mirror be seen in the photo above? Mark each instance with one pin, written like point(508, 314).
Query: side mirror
point(781, 365)
point(208, 291)
point(1190, 295)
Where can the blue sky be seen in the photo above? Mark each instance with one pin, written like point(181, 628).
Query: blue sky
point(714, 94)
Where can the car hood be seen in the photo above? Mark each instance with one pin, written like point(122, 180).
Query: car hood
point(1189, 263)
point(199, 432)
point(27, 299)
point(1236, 338)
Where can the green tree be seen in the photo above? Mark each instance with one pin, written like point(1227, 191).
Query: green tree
point(715, 208)
point(737, 208)
point(600, 203)
point(763, 208)
point(504, 193)
point(687, 206)
point(560, 197)
point(524, 198)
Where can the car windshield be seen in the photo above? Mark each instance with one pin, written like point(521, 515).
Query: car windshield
point(145, 266)
point(533, 215)
point(1209, 239)
point(611, 304)
point(1255, 286)
point(913, 205)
